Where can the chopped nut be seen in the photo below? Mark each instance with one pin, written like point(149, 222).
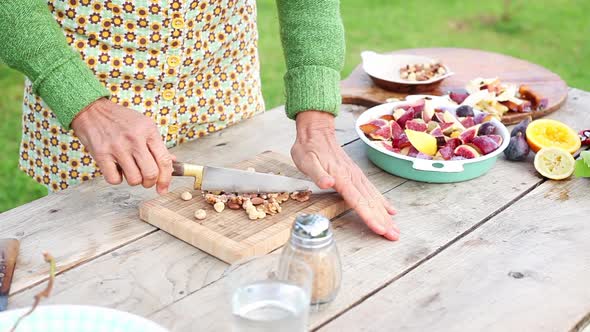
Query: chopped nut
point(186, 196)
point(301, 196)
point(223, 198)
point(200, 214)
point(283, 197)
point(253, 215)
point(257, 200)
point(210, 198)
point(233, 206)
point(219, 206)
point(247, 204)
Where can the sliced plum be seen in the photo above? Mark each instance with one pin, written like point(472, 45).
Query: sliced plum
point(401, 141)
point(466, 151)
point(381, 134)
point(396, 130)
point(459, 96)
point(417, 125)
point(468, 122)
point(487, 128)
point(409, 115)
point(485, 144)
point(468, 135)
point(453, 143)
point(464, 111)
point(446, 152)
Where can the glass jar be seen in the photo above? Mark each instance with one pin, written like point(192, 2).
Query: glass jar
point(312, 241)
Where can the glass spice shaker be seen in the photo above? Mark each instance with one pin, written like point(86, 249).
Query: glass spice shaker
point(312, 241)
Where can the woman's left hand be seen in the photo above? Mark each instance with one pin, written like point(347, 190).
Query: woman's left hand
point(317, 154)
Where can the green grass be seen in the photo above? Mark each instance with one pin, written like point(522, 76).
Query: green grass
point(552, 33)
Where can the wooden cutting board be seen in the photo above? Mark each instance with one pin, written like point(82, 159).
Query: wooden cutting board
point(467, 64)
point(230, 235)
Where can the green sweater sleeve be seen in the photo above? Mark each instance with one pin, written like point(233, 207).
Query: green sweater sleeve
point(33, 43)
point(313, 42)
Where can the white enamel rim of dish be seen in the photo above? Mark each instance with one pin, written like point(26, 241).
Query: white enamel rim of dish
point(386, 67)
point(59, 309)
point(448, 166)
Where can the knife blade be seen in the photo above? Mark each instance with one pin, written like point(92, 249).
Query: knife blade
point(212, 178)
point(8, 253)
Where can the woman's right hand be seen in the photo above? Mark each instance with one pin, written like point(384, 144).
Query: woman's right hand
point(118, 136)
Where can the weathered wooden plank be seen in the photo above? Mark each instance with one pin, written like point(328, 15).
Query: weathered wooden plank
point(525, 270)
point(158, 269)
point(93, 218)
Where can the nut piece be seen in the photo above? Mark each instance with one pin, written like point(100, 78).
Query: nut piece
point(250, 169)
point(301, 196)
point(257, 200)
point(233, 206)
point(219, 206)
point(282, 197)
point(200, 214)
point(247, 204)
point(210, 198)
point(186, 196)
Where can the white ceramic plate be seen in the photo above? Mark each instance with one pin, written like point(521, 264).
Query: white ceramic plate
point(77, 318)
point(386, 67)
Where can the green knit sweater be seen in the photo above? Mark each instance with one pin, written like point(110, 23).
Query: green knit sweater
point(32, 42)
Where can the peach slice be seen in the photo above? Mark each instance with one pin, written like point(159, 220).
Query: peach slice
point(423, 142)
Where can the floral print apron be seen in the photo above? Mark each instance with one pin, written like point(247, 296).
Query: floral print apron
point(190, 65)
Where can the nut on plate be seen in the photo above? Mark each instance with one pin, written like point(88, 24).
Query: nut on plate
point(219, 206)
point(200, 214)
point(186, 196)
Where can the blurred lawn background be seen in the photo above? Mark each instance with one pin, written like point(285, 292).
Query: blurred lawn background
point(552, 33)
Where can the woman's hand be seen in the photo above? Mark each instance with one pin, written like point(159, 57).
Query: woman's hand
point(317, 154)
point(116, 137)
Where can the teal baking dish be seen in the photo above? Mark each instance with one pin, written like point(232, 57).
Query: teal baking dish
point(423, 170)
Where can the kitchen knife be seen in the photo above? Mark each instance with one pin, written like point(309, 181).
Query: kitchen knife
point(210, 178)
point(8, 253)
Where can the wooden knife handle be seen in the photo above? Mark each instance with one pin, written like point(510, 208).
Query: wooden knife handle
point(178, 168)
point(8, 253)
point(185, 169)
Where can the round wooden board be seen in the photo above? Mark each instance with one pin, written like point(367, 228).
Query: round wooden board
point(467, 64)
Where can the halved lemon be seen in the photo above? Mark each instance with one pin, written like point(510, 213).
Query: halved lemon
point(423, 142)
point(554, 163)
point(546, 133)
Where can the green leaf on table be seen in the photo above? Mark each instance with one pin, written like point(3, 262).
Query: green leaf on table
point(582, 169)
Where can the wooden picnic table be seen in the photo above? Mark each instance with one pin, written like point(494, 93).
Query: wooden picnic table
point(509, 251)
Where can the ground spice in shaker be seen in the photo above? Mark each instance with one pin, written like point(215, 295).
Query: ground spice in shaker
point(312, 241)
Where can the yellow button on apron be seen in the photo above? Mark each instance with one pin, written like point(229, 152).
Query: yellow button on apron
point(172, 129)
point(168, 94)
point(178, 23)
point(173, 61)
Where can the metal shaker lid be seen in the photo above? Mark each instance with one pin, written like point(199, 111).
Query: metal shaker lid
point(311, 231)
